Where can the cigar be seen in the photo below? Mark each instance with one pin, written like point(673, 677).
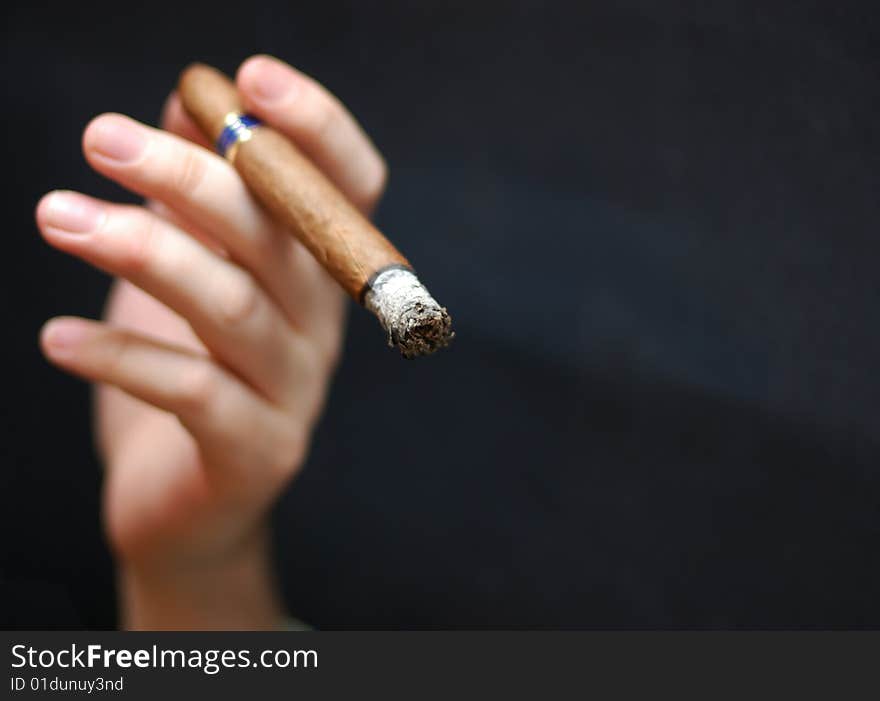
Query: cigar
point(355, 253)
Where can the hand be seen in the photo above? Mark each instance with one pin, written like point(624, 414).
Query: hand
point(219, 341)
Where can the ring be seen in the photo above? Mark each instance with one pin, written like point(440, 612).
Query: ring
point(238, 129)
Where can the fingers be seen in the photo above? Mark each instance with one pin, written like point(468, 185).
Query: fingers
point(169, 377)
point(190, 180)
point(317, 122)
point(204, 190)
point(130, 308)
point(216, 408)
point(224, 305)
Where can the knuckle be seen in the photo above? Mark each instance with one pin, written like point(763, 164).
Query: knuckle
point(321, 358)
point(288, 454)
point(119, 352)
point(239, 300)
point(139, 253)
point(322, 118)
point(189, 170)
point(333, 352)
point(198, 387)
point(269, 245)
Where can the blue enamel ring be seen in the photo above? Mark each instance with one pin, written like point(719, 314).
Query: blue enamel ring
point(237, 129)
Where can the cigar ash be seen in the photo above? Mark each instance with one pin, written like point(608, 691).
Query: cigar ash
point(415, 323)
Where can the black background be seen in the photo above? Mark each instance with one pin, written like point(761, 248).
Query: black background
point(656, 227)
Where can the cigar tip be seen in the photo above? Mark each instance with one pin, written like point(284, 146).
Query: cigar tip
point(423, 331)
point(416, 325)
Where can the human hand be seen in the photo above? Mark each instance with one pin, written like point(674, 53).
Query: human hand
point(219, 341)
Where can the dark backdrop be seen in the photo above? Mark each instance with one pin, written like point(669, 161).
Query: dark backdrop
point(655, 224)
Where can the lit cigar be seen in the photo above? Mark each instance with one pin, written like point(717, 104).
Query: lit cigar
point(340, 238)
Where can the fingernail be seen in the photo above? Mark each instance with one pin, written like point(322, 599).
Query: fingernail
point(270, 81)
point(117, 139)
point(59, 335)
point(70, 213)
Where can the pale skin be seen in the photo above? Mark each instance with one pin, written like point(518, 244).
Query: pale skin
point(212, 362)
